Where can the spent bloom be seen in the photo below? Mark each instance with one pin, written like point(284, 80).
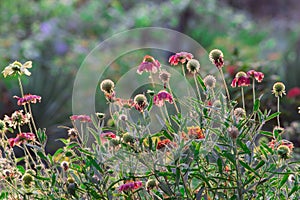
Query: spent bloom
point(278, 89)
point(239, 113)
point(140, 102)
point(164, 76)
point(17, 68)
point(233, 132)
point(259, 76)
point(124, 103)
point(107, 86)
point(217, 58)
point(193, 66)
point(241, 79)
point(129, 186)
point(181, 57)
point(210, 81)
point(161, 97)
point(163, 143)
point(17, 119)
point(28, 98)
point(195, 132)
point(64, 165)
point(149, 64)
point(21, 139)
point(81, 118)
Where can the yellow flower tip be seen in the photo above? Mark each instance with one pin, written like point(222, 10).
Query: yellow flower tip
point(278, 89)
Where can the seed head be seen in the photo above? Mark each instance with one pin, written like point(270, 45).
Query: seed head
point(210, 81)
point(193, 66)
point(233, 132)
point(216, 57)
point(107, 86)
point(27, 178)
point(278, 89)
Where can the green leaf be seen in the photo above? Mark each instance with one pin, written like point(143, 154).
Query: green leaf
point(41, 135)
point(245, 165)
point(220, 167)
point(229, 156)
point(256, 105)
point(259, 165)
point(200, 80)
point(21, 169)
point(167, 135)
point(243, 146)
point(150, 105)
point(283, 180)
point(42, 155)
point(267, 133)
point(294, 189)
point(272, 116)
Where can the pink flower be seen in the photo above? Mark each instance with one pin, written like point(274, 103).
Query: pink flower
point(161, 97)
point(21, 139)
point(17, 119)
point(149, 64)
point(28, 98)
point(259, 76)
point(241, 79)
point(81, 118)
point(181, 57)
point(107, 135)
point(294, 92)
point(130, 186)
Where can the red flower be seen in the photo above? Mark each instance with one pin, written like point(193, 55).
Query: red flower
point(195, 132)
point(294, 92)
point(163, 143)
point(130, 186)
point(28, 98)
point(125, 103)
point(241, 79)
point(21, 138)
point(181, 57)
point(149, 64)
point(259, 76)
point(81, 118)
point(161, 97)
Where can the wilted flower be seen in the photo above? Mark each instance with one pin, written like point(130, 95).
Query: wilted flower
point(64, 165)
point(124, 103)
point(151, 183)
point(259, 76)
point(107, 135)
point(149, 64)
point(81, 118)
point(164, 76)
point(140, 102)
point(233, 132)
point(284, 151)
point(239, 113)
point(28, 98)
point(210, 81)
point(193, 66)
point(128, 138)
point(21, 139)
point(241, 79)
point(278, 89)
point(72, 133)
point(17, 68)
point(163, 143)
point(217, 58)
point(195, 132)
point(161, 97)
point(107, 86)
point(284, 148)
point(17, 119)
point(181, 57)
point(129, 186)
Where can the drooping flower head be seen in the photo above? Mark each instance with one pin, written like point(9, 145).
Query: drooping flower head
point(164, 76)
point(241, 79)
point(140, 102)
point(129, 186)
point(161, 97)
point(17, 68)
point(181, 57)
point(195, 132)
point(28, 98)
point(278, 89)
point(217, 58)
point(193, 66)
point(209, 81)
point(149, 64)
point(151, 183)
point(21, 138)
point(17, 119)
point(233, 132)
point(259, 76)
point(81, 118)
point(107, 86)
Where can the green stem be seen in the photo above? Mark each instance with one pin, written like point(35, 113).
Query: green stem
point(243, 98)
point(278, 122)
point(253, 91)
point(225, 85)
point(183, 71)
point(197, 87)
point(175, 105)
point(32, 120)
point(238, 181)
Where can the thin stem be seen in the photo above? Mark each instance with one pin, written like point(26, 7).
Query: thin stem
point(197, 87)
point(243, 97)
point(32, 120)
point(166, 110)
point(253, 90)
point(225, 85)
point(21, 86)
point(278, 122)
point(238, 181)
point(183, 71)
point(175, 105)
point(152, 81)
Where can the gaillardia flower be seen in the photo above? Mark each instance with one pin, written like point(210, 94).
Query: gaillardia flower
point(81, 118)
point(21, 138)
point(278, 89)
point(193, 66)
point(217, 58)
point(195, 132)
point(259, 76)
point(209, 81)
point(28, 98)
point(181, 57)
point(161, 97)
point(17, 68)
point(149, 64)
point(107, 86)
point(140, 102)
point(17, 119)
point(241, 79)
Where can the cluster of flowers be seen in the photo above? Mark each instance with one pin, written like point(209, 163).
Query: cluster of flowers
point(131, 185)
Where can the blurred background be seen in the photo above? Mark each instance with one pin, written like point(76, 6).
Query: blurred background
point(58, 35)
